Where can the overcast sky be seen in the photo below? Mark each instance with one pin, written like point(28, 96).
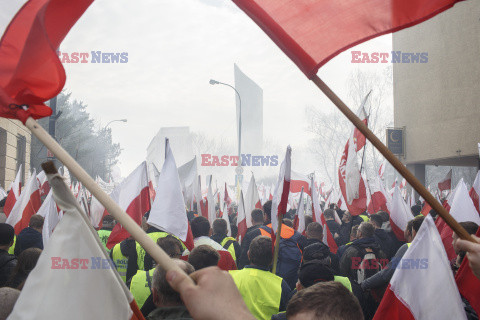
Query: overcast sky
point(174, 48)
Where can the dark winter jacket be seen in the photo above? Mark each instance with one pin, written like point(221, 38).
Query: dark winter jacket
point(7, 264)
point(28, 238)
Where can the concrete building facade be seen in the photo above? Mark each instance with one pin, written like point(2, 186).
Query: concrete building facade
point(438, 101)
point(14, 150)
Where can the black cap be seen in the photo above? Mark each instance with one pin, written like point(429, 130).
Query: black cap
point(6, 234)
point(316, 251)
point(314, 272)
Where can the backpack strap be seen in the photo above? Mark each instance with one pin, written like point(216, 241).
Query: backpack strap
point(227, 244)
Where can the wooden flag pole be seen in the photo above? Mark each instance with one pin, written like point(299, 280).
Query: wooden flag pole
point(160, 257)
point(277, 244)
point(456, 227)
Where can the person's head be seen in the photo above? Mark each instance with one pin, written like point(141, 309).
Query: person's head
point(108, 222)
point(408, 232)
point(7, 234)
point(287, 222)
point(260, 252)
point(317, 252)
point(347, 217)
point(257, 217)
point(385, 216)
point(471, 228)
point(220, 227)
point(416, 224)
point(26, 261)
point(416, 209)
point(163, 294)
point(353, 233)
point(8, 298)
point(308, 220)
point(376, 220)
point(314, 231)
point(324, 301)
point(203, 256)
point(312, 272)
point(267, 212)
point(329, 214)
point(171, 245)
point(331, 206)
point(200, 227)
point(365, 230)
point(36, 222)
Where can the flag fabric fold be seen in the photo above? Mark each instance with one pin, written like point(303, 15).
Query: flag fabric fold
point(252, 200)
point(282, 189)
point(14, 194)
point(400, 214)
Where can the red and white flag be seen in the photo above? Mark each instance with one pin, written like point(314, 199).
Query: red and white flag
point(26, 206)
point(299, 221)
point(212, 213)
point(446, 183)
point(52, 215)
point(475, 192)
point(381, 170)
point(188, 178)
point(241, 219)
point(43, 183)
point(317, 216)
point(400, 214)
point(252, 200)
point(97, 212)
point(74, 258)
point(282, 189)
point(415, 291)
point(168, 210)
point(14, 193)
point(132, 195)
point(298, 182)
point(3, 194)
point(226, 199)
point(349, 176)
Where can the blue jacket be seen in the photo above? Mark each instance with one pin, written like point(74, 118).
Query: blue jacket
point(28, 238)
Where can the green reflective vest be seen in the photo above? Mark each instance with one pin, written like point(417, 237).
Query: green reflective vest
point(103, 235)
point(261, 290)
point(120, 262)
point(141, 285)
point(12, 248)
point(230, 248)
point(343, 280)
point(364, 218)
point(141, 252)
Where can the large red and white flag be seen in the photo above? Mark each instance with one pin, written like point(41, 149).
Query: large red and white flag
point(14, 193)
point(415, 291)
point(475, 192)
point(168, 210)
point(299, 181)
point(252, 200)
point(75, 259)
point(282, 189)
point(349, 175)
point(446, 183)
point(379, 195)
point(26, 206)
point(132, 195)
point(241, 219)
point(400, 214)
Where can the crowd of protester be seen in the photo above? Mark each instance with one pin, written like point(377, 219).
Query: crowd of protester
point(235, 280)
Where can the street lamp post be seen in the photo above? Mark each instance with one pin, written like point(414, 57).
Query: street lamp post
point(239, 169)
point(105, 128)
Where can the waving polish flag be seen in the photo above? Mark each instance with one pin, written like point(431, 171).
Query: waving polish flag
point(298, 181)
point(317, 216)
point(168, 210)
point(446, 183)
point(280, 195)
point(400, 214)
point(241, 219)
point(252, 201)
point(226, 199)
point(299, 221)
point(132, 195)
point(26, 206)
point(52, 215)
point(14, 193)
point(415, 292)
point(475, 192)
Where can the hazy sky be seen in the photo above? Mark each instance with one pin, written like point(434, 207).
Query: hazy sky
point(174, 48)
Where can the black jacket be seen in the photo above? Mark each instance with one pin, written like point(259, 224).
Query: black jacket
point(353, 251)
point(7, 264)
point(28, 238)
point(385, 242)
point(251, 234)
point(334, 264)
point(219, 238)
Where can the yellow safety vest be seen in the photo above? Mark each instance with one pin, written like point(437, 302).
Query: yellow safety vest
point(409, 244)
point(261, 290)
point(120, 262)
point(343, 280)
point(141, 252)
point(231, 247)
point(140, 286)
point(11, 250)
point(364, 218)
point(104, 235)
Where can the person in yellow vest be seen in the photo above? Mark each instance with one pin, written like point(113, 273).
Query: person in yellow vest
point(123, 259)
point(11, 250)
point(220, 236)
point(141, 282)
point(108, 223)
point(8, 261)
point(264, 293)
